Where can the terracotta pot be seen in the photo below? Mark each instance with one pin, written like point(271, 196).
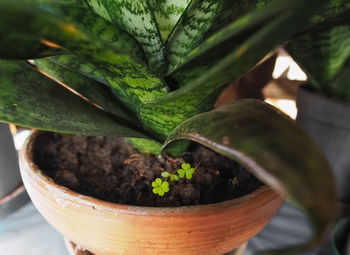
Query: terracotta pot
point(106, 228)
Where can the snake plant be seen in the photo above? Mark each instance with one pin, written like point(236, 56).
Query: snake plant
point(151, 70)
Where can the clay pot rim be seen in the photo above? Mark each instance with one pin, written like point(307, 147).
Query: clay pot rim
point(87, 201)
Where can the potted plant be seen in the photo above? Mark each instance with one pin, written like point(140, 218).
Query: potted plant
point(151, 71)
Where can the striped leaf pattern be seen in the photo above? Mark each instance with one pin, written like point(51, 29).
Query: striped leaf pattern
point(137, 18)
point(204, 82)
point(87, 20)
point(90, 89)
point(28, 98)
point(132, 89)
point(189, 31)
point(167, 14)
point(323, 55)
point(128, 77)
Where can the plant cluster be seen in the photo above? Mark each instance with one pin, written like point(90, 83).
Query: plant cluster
point(161, 187)
point(151, 70)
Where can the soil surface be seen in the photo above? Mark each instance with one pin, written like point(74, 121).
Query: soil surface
point(109, 168)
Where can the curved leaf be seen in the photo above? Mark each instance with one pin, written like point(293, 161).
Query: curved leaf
point(28, 98)
point(202, 79)
point(92, 90)
point(275, 149)
point(132, 89)
point(87, 20)
point(324, 55)
point(167, 14)
point(137, 18)
point(127, 73)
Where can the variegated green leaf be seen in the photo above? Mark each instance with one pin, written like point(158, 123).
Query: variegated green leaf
point(137, 18)
point(193, 24)
point(131, 79)
point(228, 37)
point(92, 90)
point(323, 55)
point(332, 10)
point(339, 87)
point(167, 13)
point(87, 20)
point(132, 89)
point(276, 150)
point(203, 81)
point(234, 9)
point(28, 98)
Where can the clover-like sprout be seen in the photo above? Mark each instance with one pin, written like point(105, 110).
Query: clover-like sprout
point(234, 182)
point(160, 187)
point(186, 170)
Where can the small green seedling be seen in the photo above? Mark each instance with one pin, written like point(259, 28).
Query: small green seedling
point(160, 186)
point(186, 170)
point(234, 182)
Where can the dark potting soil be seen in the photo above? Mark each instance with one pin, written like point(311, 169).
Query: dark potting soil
point(109, 168)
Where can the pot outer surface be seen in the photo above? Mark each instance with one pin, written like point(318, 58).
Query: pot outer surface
point(106, 228)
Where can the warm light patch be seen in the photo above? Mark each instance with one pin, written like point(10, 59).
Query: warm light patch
point(283, 63)
point(70, 28)
point(285, 105)
point(51, 44)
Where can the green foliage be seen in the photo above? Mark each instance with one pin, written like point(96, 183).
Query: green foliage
point(151, 69)
point(185, 171)
point(160, 187)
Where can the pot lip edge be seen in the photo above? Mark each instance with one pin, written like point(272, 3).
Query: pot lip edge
point(98, 204)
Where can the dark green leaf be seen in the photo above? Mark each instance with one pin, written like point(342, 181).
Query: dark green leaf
point(87, 20)
point(275, 149)
point(324, 55)
point(26, 47)
point(167, 13)
point(146, 146)
point(128, 76)
point(92, 90)
point(193, 24)
point(28, 98)
point(234, 9)
point(137, 18)
point(203, 79)
point(331, 11)
point(132, 88)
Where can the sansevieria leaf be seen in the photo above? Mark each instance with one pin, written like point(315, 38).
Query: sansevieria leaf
point(129, 75)
point(137, 18)
point(323, 55)
point(189, 31)
point(87, 20)
point(200, 80)
point(28, 98)
point(168, 13)
point(132, 89)
point(92, 90)
point(276, 150)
